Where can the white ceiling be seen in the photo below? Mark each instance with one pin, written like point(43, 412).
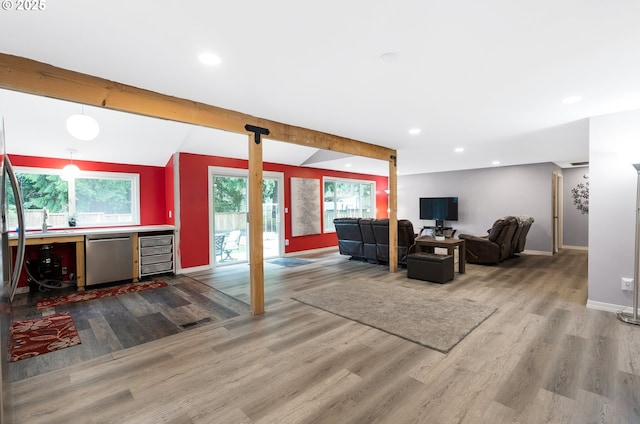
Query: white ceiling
point(488, 76)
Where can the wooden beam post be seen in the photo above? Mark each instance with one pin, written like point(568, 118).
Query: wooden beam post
point(256, 256)
point(393, 214)
point(30, 76)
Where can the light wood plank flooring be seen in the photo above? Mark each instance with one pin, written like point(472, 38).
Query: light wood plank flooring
point(541, 358)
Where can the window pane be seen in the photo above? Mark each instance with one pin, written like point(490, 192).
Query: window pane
point(230, 194)
point(347, 199)
point(95, 199)
point(39, 191)
point(103, 201)
point(367, 201)
point(329, 205)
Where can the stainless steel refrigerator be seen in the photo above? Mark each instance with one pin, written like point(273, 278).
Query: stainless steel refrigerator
point(11, 268)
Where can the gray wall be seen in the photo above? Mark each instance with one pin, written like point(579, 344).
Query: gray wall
point(613, 146)
point(575, 223)
point(484, 196)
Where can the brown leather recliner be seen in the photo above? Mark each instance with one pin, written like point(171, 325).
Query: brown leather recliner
point(369, 239)
point(406, 238)
point(349, 237)
point(520, 237)
point(495, 247)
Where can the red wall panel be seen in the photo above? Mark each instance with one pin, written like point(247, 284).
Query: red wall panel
point(157, 197)
point(194, 208)
point(169, 176)
point(152, 182)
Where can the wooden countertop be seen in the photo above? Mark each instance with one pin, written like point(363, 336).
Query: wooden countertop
point(74, 232)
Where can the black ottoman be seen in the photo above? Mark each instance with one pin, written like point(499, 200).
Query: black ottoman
point(430, 267)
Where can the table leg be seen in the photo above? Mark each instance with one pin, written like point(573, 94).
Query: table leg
point(451, 250)
point(80, 265)
point(462, 258)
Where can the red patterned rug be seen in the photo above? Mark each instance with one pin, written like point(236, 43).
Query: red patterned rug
point(96, 294)
point(32, 337)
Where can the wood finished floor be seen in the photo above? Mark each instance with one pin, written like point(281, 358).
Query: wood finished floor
point(114, 323)
point(543, 357)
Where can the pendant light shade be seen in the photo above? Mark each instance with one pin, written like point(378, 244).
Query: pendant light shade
point(70, 170)
point(83, 127)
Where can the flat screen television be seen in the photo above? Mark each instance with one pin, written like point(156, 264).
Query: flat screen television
point(439, 209)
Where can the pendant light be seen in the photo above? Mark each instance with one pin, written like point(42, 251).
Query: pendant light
point(83, 127)
point(70, 170)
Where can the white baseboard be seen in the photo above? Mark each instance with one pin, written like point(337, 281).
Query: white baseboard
point(537, 252)
point(300, 253)
point(609, 307)
point(307, 252)
point(575, 247)
point(193, 269)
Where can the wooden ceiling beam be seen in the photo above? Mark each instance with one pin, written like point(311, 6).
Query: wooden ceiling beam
point(30, 76)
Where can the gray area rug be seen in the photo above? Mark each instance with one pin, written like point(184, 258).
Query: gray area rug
point(290, 262)
point(435, 322)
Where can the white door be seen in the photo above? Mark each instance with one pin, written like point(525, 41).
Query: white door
point(228, 205)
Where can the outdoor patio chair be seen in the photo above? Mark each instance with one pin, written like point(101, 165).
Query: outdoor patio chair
point(231, 243)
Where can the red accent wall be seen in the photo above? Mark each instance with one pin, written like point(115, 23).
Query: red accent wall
point(194, 208)
point(169, 176)
point(152, 182)
point(157, 198)
point(154, 200)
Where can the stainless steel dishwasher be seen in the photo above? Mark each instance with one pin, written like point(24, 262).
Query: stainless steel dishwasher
point(109, 258)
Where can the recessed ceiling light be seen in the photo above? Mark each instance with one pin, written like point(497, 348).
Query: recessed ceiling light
point(389, 57)
point(414, 131)
point(348, 165)
point(459, 149)
point(495, 162)
point(210, 59)
point(571, 100)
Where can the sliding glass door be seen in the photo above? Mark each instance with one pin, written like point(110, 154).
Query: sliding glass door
point(229, 209)
point(272, 219)
point(229, 219)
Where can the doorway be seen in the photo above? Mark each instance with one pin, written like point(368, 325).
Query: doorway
point(557, 199)
point(228, 206)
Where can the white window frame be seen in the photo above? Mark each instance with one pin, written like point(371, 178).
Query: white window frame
point(346, 180)
point(134, 178)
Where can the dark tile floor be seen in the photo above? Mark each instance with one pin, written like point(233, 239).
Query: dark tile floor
point(113, 323)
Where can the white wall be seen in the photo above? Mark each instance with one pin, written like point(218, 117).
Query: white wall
point(614, 144)
point(575, 223)
point(484, 196)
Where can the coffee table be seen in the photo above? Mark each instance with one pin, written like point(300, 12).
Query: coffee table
point(427, 244)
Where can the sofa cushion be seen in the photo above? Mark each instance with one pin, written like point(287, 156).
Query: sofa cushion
point(349, 236)
point(369, 239)
point(497, 229)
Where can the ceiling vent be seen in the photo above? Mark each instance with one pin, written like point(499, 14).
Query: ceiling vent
point(586, 163)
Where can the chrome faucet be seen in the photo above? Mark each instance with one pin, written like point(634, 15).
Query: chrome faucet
point(45, 220)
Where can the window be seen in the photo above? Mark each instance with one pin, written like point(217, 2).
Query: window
point(347, 199)
point(92, 199)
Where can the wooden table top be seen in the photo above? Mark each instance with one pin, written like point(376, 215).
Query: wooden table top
point(431, 240)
